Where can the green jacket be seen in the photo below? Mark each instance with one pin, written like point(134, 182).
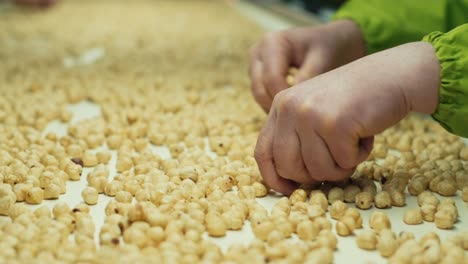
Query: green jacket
point(390, 23)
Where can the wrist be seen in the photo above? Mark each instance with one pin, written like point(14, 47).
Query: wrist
point(351, 40)
point(422, 80)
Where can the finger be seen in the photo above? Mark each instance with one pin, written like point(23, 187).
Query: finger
point(253, 52)
point(266, 165)
point(258, 90)
point(367, 143)
point(287, 153)
point(318, 160)
point(276, 61)
point(347, 148)
point(312, 66)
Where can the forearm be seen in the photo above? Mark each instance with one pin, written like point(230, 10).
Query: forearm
point(400, 80)
point(350, 36)
point(420, 79)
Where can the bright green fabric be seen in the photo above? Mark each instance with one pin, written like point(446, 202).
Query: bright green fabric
point(452, 51)
point(387, 24)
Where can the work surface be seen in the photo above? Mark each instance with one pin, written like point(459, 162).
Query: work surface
point(162, 87)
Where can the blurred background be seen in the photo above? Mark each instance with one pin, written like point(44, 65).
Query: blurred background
point(300, 11)
point(322, 9)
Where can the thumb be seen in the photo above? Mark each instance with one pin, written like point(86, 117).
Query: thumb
point(365, 148)
point(346, 144)
point(314, 64)
point(349, 155)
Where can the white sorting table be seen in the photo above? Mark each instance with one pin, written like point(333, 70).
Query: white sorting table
point(347, 252)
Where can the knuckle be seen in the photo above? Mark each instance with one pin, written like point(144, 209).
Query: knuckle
point(320, 172)
point(307, 111)
point(273, 36)
point(341, 122)
point(343, 161)
point(269, 76)
point(331, 126)
point(286, 102)
point(257, 91)
point(272, 81)
point(282, 171)
point(259, 155)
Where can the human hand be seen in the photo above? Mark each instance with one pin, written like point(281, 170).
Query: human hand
point(314, 50)
point(321, 129)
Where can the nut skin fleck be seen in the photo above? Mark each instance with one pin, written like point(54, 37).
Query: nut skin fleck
point(77, 161)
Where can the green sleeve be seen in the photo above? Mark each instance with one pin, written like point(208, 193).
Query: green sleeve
point(387, 24)
point(452, 52)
